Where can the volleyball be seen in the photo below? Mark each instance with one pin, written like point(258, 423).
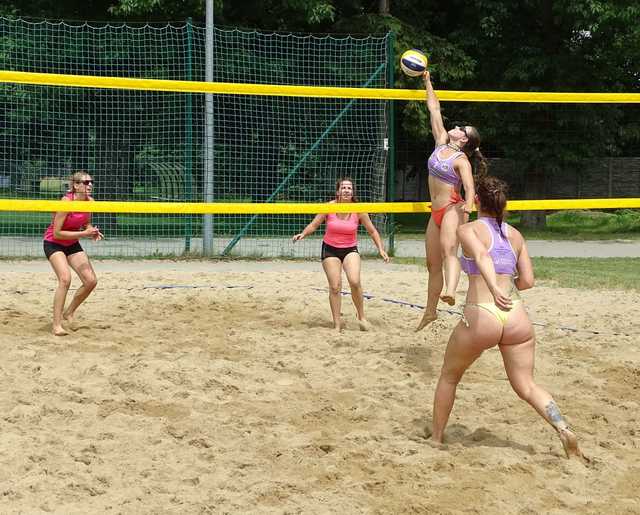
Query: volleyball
point(413, 63)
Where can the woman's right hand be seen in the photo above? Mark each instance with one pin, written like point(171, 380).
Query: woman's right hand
point(298, 236)
point(426, 77)
point(501, 300)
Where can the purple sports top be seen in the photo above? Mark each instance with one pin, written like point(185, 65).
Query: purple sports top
point(501, 252)
point(443, 168)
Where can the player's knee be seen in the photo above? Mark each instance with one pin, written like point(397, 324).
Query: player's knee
point(449, 248)
point(335, 288)
point(91, 282)
point(64, 281)
point(451, 376)
point(523, 389)
point(355, 284)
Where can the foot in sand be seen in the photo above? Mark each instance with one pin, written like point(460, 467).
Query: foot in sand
point(67, 320)
point(448, 299)
point(59, 331)
point(570, 443)
point(364, 324)
point(427, 318)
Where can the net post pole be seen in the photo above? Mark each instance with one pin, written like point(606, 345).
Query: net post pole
point(188, 158)
point(301, 161)
point(391, 135)
point(207, 222)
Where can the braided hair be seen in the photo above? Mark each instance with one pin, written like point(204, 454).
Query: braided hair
point(492, 194)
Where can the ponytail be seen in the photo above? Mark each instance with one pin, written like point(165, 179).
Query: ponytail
point(478, 162)
point(492, 194)
point(472, 151)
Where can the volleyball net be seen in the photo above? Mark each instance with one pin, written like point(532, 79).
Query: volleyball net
point(237, 166)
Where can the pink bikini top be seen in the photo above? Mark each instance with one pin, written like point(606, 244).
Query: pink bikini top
point(443, 168)
point(501, 252)
point(341, 233)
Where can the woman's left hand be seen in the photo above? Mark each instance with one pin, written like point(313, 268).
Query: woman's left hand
point(97, 235)
point(384, 255)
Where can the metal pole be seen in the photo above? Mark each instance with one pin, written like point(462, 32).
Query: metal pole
point(207, 225)
point(188, 158)
point(391, 150)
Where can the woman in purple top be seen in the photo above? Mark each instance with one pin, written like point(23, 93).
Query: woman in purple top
point(495, 257)
point(62, 248)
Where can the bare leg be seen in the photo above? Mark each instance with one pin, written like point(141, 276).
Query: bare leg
point(333, 270)
point(519, 362)
point(351, 265)
point(434, 268)
point(60, 266)
point(460, 354)
point(82, 266)
point(452, 219)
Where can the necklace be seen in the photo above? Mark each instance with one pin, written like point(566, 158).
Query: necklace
point(454, 147)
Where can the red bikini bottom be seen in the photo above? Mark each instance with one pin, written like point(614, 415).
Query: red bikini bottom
point(438, 214)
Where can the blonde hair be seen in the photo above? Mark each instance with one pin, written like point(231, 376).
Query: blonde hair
point(75, 177)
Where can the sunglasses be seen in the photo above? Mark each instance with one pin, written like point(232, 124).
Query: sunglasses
point(463, 129)
point(86, 182)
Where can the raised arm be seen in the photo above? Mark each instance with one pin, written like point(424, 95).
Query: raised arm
point(435, 116)
point(311, 228)
point(375, 235)
point(473, 247)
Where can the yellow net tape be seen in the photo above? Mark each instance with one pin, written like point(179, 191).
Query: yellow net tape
point(291, 208)
point(87, 81)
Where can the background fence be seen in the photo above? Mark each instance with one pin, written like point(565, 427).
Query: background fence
point(153, 146)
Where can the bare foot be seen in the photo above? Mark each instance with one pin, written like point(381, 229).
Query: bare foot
point(337, 326)
point(59, 331)
point(427, 318)
point(570, 443)
point(364, 324)
point(448, 299)
point(68, 321)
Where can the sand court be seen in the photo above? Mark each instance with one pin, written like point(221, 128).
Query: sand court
point(194, 387)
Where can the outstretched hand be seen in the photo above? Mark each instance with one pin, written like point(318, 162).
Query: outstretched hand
point(426, 77)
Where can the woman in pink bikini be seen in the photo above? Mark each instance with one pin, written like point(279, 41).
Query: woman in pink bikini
point(62, 248)
point(454, 163)
point(340, 251)
point(496, 259)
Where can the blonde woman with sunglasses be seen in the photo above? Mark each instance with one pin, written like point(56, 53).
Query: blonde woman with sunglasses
point(64, 252)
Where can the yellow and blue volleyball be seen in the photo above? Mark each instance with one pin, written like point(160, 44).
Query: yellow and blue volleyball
point(413, 63)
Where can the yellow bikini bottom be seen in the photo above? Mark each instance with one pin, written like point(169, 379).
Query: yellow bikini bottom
point(502, 316)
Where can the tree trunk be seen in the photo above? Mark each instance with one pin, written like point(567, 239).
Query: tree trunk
point(383, 7)
point(534, 190)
